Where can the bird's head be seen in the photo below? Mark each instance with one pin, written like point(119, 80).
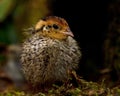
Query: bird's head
point(53, 27)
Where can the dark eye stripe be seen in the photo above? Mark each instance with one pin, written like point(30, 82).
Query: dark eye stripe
point(49, 26)
point(55, 26)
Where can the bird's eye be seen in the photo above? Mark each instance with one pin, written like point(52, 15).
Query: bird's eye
point(47, 27)
point(55, 26)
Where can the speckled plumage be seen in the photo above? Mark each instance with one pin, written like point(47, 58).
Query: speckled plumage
point(46, 60)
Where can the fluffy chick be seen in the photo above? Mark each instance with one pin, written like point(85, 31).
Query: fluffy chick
point(50, 52)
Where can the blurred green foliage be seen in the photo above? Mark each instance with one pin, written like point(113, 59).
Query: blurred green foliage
point(16, 15)
point(8, 34)
point(7, 30)
point(6, 7)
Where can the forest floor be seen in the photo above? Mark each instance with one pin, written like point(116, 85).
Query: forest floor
point(79, 87)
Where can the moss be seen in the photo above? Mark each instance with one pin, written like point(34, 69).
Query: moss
point(84, 88)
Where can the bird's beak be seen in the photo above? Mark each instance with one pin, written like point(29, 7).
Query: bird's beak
point(68, 32)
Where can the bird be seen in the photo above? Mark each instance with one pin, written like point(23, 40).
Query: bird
point(50, 52)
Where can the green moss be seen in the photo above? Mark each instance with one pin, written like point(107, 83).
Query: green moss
point(84, 88)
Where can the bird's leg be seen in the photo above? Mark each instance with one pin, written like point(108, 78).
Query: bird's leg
point(73, 79)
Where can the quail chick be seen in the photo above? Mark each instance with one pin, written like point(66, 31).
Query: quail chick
point(50, 52)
